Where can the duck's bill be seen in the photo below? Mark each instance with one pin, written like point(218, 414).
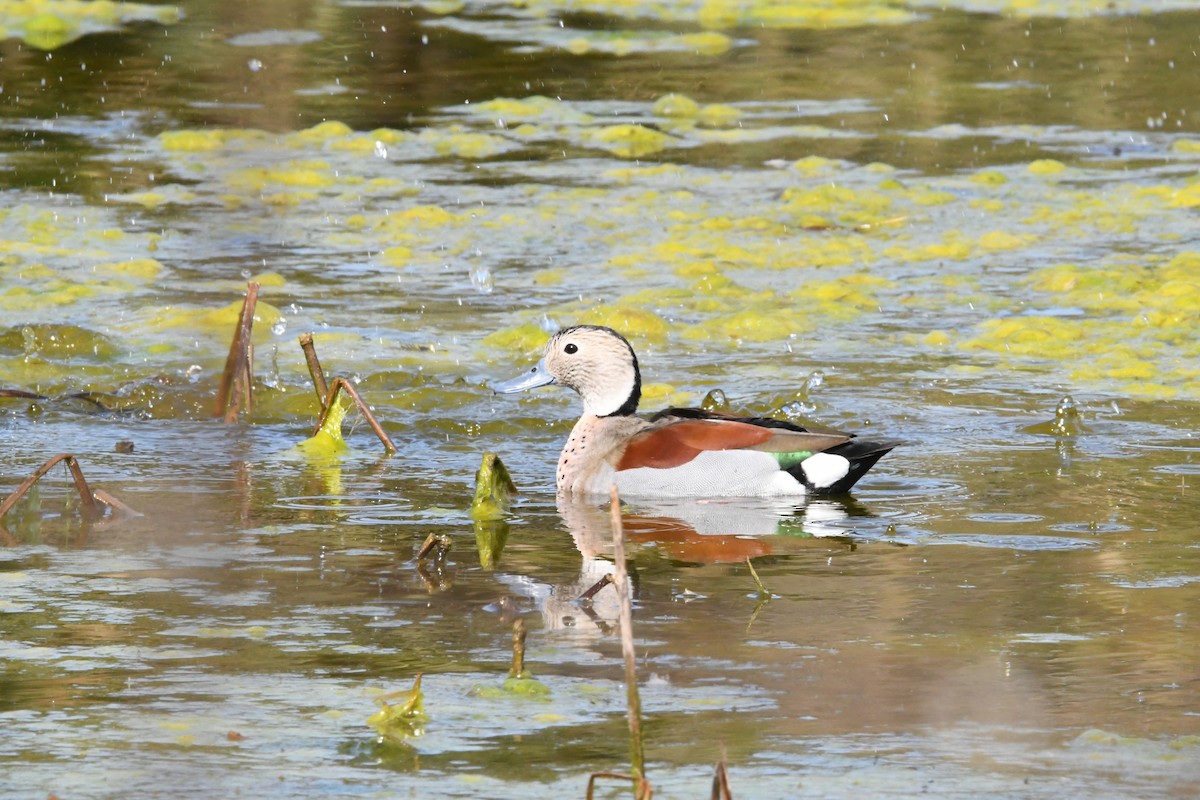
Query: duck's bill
point(538, 376)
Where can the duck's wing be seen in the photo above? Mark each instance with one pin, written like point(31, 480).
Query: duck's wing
point(764, 422)
point(672, 441)
point(678, 435)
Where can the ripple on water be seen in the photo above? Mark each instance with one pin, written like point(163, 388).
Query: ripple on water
point(1005, 518)
point(1178, 469)
point(1089, 527)
point(1161, 582)
point(336, 502)
point(1004, 542)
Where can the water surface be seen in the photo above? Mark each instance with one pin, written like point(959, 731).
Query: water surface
point(969, 230)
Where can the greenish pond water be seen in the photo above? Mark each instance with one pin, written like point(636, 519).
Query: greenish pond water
point(968, 229)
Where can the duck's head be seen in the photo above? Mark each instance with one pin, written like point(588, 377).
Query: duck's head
point(596, 362)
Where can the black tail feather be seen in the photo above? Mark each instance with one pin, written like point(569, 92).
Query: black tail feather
point(861, 454)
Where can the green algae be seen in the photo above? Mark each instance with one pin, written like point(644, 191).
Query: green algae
point(494, 489)
point(50, 24)
point(398, 722)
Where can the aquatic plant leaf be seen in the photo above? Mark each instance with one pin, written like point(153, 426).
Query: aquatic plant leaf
point(493, 489)
point(490, 537)
point(404, 719)
point(328, 440)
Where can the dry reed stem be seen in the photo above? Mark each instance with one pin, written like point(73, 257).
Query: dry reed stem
point(641, 784)
point(720, 784)
point(641, 787)
point(93, 502)
point(235, 388)
point(340, 384)
point(518, 640)
point(587, 596)
point(314, 367)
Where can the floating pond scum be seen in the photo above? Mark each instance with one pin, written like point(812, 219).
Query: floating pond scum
point(968, 225)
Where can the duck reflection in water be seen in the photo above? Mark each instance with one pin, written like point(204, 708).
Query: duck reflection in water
point(695, 531)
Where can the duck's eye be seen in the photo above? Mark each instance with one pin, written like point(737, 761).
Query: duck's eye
point(571, 349)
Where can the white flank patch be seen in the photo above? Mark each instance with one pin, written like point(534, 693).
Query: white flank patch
point(825, 469)
point(713, 473)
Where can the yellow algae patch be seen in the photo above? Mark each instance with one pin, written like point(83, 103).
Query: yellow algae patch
point(676, 105)
point(664, 394)
point(764, 323)
point(634, 322)
point(319, 133)
point(707, 43)
point(1187, 197)
point(1045, 166)
point(294, 174)
point(1186, 146)
point(534, 107)
point(1045, 337)
point(523, 339)
point(850, 206)
point(396, 256)
point(50, 293)
point(1000, 240)
point(155, 199)
point(549, 277)
point(458, 141)
point(718, 115)
point(269, 279)
point(826, 251)
point(716, 14)
point(990, 177)
point(811, 165)
point(218, 320)
point(209, 140)
point(49, 24)
point(842, 298)
point(139, 269)
point(631, 141)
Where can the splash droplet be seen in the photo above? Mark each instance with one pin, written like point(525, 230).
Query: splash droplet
point(481, 279)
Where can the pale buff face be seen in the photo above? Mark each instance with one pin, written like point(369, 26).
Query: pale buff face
point(595, 362)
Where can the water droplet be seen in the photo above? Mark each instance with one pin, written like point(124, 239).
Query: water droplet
point(279, 327)
point(548, 324)
point(797, 409)
point(715, 400)
point(381, 149)
point(254, 65)
point(481, 279)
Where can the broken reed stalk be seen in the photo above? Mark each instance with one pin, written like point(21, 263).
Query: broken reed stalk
point(338, 385)
point(518, 664)
point(762, 590)
point(641, 787)
point(720, 784)
point(238, 378)
point(314, 367)
point(587, 596)
point(93, 502)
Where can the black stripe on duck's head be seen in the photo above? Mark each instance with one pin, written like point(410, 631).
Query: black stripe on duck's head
point(596, 362)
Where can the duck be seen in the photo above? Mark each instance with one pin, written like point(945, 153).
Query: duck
point(680, 452)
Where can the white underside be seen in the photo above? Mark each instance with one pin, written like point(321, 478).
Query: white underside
point(713, 473)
